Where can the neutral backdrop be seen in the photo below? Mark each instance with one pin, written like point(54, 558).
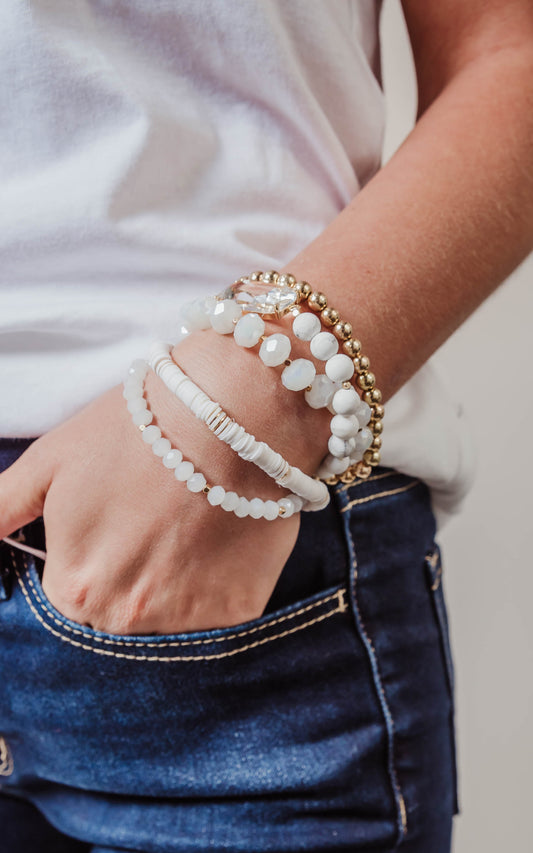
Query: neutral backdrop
point(487, 565)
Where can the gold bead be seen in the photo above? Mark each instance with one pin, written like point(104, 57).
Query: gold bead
point(361, 363)
point(305, 288)
point(352, 347)
point(366, 381)
point(270, 277)
point(342, 331)
point(378, 411)
point(362, 470)
point(376, 443)
point(329, 316)
point(317, 301)
point(376, 427)
point(285, 279)
point(206, 489)
point(371, 457)
point(373, 396)
point(256, 276)
point(347, 384)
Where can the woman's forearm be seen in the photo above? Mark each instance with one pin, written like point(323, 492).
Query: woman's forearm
point(441, 225)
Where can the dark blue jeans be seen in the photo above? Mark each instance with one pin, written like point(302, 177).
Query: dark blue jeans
point(324, 725)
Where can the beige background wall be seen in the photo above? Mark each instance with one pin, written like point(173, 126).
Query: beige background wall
point(488, 567)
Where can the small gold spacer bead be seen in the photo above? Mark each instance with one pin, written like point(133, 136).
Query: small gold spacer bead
point(286, 279)
point(342, 331)
point(270, 277)
point(366, 381)
point(347, 384)
point(372, 397)
point(282, 510)
point(371, 457)
point(361, 363)
point(206, 489)
point(263, 337)
point(317, 301)
point(352, 347)
point(329, 316)
point(142, 427)
point(256, 276)
point(362, 470)
point(376, 443)
point(376, 427)
point(309, 388)
point(287, 362)
point(378, 411)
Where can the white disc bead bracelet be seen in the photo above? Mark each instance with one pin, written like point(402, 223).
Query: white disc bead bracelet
point(184, 471)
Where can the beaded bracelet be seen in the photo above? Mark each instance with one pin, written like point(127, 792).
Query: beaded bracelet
point(313, 491)
point(184, 471)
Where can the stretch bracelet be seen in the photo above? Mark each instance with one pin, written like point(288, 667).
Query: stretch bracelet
point(184, 471)
point(313, 491)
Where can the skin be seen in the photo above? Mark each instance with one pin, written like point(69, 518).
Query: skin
point(416, 251)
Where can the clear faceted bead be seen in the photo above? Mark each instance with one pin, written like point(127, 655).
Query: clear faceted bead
point(262, 298)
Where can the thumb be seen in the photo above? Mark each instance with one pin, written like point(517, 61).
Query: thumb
point(23, 488)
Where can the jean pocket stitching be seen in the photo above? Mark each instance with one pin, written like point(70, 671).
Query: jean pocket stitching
point(384, 494)
point(33, 597)
point(6, 759)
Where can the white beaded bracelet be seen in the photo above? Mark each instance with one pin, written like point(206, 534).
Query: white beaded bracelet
point(184, 471)
point(313, 491)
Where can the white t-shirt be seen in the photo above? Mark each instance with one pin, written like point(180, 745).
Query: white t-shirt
point(152, 152)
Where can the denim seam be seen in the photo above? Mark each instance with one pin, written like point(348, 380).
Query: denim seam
point(6, 759)
point(372, 655)
point(380, 495)
point(371, 479)
point(339, 608)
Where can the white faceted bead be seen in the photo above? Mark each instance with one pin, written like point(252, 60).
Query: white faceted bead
point(298, 502)
point(339, 368)
point(340, 447)
point(138, 404)
point(243, 508)
point(299, 374)
point(151, 434)
point(248, 330)
point(142, 418)
point(306, 325)
point(324, 345)
point(182, 333)
point(257, 507)
point(321, 393)
point(364, 440)
point(183, 471)
point(270, 510)
point(287, 505)
point(223, 315)
point(138, 368)
point(363, 413)
point(132, 391)
point(194, 316)
point(346, 401)
point(196, 483)
point(275, 350)
point(230, 501)
point(216, 495)
point(161, 446)
point(344, 427)
point(173, 458)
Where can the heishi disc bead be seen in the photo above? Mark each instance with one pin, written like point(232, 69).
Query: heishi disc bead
point(364, 440)
point(257, 507)
point(243, 508)
point(223, 315)
point(324, 345)
point(299, 374)
point(142, 418)
point(196, 483)
point(216, 495)
point(270, 510)
point(306, 325)
point(322, 392)
point(161, 447)
point(275, 350)
point(230, 501)
point(139, 368)
point(249, 330)
point(344, 427)
point(173, 458)
point(340, 447)
point(339, 368)
point(151, 434)
point(363, 413)
point(184, 471)
point(346, 401)
point(138, 404)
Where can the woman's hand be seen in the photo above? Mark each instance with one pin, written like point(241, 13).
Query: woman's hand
point(129, 549)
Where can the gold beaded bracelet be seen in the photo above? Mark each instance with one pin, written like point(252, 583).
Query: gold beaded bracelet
point(365, 380)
